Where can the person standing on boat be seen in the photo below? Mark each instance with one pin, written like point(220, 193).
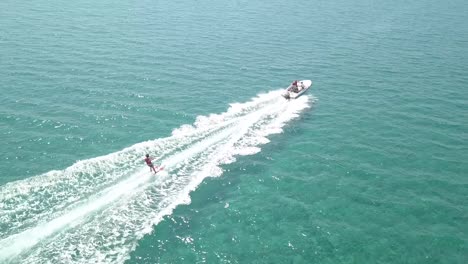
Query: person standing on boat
point(294, 87)
point(149, 162)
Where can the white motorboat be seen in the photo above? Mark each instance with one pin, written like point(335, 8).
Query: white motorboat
point(296, 89)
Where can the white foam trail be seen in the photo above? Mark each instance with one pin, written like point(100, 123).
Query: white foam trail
point(113, 199)
point(85, 177)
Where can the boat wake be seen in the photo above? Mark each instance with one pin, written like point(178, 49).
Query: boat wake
point(97, 209)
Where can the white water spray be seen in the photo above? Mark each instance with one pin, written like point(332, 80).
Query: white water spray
point(113, 198)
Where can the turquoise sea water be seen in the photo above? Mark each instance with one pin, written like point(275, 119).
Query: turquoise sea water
point(370, 167)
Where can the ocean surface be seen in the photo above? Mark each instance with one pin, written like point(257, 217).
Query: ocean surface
point(370, 166)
